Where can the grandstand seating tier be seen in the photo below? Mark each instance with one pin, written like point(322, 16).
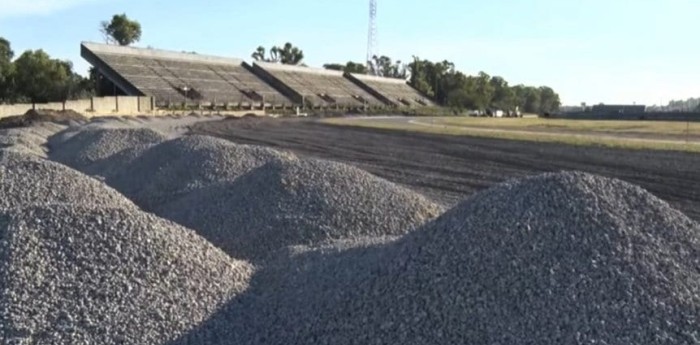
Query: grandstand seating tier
point(184, 77)
point(321, 88)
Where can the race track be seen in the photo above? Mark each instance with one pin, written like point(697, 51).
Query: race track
point(450, 168)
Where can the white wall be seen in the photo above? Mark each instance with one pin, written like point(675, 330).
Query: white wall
point(92, 107)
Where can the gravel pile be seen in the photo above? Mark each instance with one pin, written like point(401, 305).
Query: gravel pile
point(74, 275)
point(42, 116)
point(176, 167)
point(116, 164)
point(30, 140)
point(299, 202)
point(564, 258)
point(29, 180)
point(86, 147)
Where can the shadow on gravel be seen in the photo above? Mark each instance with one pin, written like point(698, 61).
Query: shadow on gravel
point(280, 295)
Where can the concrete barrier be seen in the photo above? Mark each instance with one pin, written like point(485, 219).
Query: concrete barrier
point(92, 107)
point(14, 109)
point(118, 106)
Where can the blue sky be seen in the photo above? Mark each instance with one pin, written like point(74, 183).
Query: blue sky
point(612, 51)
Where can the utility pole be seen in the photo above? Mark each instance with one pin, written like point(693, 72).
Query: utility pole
point(372, 36)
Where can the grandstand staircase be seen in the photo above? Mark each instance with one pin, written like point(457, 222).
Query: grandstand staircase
point(361, 99)
point(327, 98)
point(421, 102)
point(405, 101)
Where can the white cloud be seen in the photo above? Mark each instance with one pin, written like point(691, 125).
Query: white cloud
point(19, 8)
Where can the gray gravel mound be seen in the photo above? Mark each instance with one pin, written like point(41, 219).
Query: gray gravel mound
point(114, 165)
point(72, 275)
point(29, 180)
point(91, 145)
point(299, 202)
point(566, 258)
point(176, 167)
point(31, 140)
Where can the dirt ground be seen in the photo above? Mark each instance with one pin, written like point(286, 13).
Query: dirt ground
point(450, 168)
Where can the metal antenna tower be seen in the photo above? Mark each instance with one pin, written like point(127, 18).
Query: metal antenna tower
point(372, 35)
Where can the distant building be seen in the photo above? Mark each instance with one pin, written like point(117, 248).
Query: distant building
point(617, 109)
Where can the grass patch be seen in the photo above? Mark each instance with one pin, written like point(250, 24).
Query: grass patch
point(464, 126)
point(601, 126)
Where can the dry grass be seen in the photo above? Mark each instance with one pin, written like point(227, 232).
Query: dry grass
point(601, 126)
point(573, 132)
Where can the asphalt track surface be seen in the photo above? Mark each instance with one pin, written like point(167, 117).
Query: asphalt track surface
point(450, 168)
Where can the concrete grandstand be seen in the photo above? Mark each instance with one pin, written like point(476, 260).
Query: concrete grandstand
point(181, 78)
point(316, 87)
point(395, 92)
point(177, 79)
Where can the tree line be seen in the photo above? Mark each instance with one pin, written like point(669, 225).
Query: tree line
point(449, 87)
point(35, 76)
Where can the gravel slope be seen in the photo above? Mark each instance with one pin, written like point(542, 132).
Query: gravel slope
point(81, 264)
point(558, 258)
point(92, 145)
point(176, 167)
point(30, 140)
point(299, 202)
point(26, 179)
point(75, 275)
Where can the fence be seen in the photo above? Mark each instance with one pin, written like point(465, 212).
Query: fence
point(92, 107)
point(650, 116)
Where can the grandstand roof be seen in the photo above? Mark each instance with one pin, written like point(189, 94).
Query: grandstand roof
point(392, 90)
point(174, 77)
point(316, 86)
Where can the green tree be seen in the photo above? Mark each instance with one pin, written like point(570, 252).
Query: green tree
point(77, 86)
point(419, 76)
point(447, 86)
point(290, 55)
point(503, 95)
point(549, 100)
point(334, 66)
point(383, 66)
point(355, 67)
point(484, 91)
point(531, 100)
point(287, 54)
point(6, 71)
point(461, 99)
point(121, 30)
point(349, 67)
point(433, 78)
point(260, 54)
point(42, 79)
